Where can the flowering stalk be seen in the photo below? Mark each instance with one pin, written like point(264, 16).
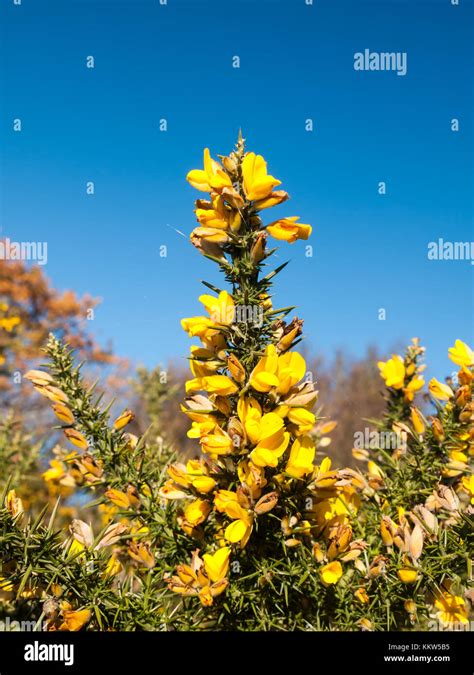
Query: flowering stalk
point(256, 490)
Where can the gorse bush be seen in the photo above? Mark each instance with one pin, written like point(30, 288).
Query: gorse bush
point(259, 531)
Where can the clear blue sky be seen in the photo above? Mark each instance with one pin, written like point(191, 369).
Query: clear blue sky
point(175, 62)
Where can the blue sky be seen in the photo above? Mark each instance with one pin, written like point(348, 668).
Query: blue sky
point(296, 62)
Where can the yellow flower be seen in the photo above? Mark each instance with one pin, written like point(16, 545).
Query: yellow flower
point(14, 504)
point(9, 323)
point(5, 585)
point(253, 477)
point(216, 216)
point(221, 309)
point(439, 390)
point(451, 609)
point(258, 184)
point(213, 178)
point(39, 377)
point(264, 375)
point(63, 413)
point(196, 512)
point(219, 443)
point(461, 354)
point(300, 461)
point(303, 419)
point(74, 621)
point(361, 595)
point(113, 568)
point(240, 529)
point(125, 418)
point(274, 198)
point(407, 575)
point(217, 564)
point(55, 472)
point(213, 384)
point(236, 369)
point(393, 371)
point(331, 573)
point(468, 485)
point(291, 369)
point(288, 229)
point(198, 326)
point(118, 498)
point(417, 420)
point(76, 438)
point(415, 384)
point(141, 553)
point(272, 443)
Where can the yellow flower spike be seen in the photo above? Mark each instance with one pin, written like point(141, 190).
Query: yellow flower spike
point(300, 461)
point(288, 229)
point(63, 413)
point(212, 178)
point(125, 418)
point(258, 184)
point(74, 621)
point(461, 354)
point(440, 391)
point(331, 573)
point(361, 595)
point(217, 564)
point(76, 438)
point(393, 372)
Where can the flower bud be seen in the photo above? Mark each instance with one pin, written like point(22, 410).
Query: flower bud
point(122, 420)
